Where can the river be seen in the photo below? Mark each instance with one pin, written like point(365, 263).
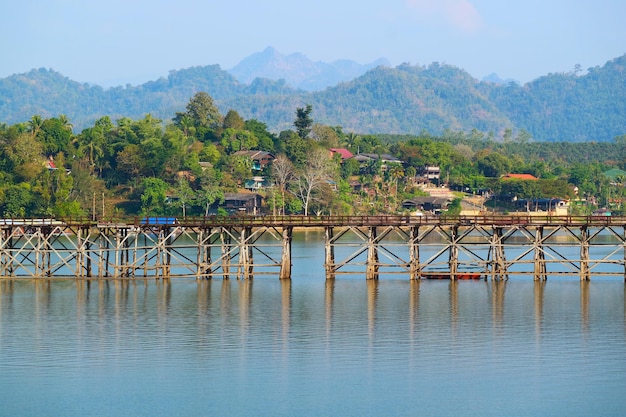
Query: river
point(312, 347)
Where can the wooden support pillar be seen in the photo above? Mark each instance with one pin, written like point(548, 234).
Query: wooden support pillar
point(584, 254)
point(118, 254)
point(107, 255)
point(245, 254)
point(145, 257)
point(414, 254)
point(167, 267)
point(78, 272)
point(453, 259)
point(329, 246)
point(42, 267)
point(88, 271)
point(498, 268)
point(372, 254)
point(7, 268)
point(204, 254)
point(226, 239)
point(540, 272)
point(159, 256)
point(285, 263)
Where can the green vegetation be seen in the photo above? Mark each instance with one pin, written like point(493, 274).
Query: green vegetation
point(186, 166)
point(564, 107)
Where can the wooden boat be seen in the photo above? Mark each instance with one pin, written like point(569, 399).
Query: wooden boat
point(447, 275)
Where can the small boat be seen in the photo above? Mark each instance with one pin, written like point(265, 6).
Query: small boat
point(469, 275)
point(447, 275)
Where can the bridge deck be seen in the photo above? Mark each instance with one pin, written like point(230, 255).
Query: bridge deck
point(247, 245)
point(330, 221)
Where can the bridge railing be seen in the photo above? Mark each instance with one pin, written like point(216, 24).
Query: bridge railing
point(322, 221)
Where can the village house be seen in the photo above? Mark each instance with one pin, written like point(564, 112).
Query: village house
point(524, 177)
point(428, 203)
point(385, 159)
point(260, 159)
point(241, 203)
point(343, 153)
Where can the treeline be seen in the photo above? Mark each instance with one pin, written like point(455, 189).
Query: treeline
point(579, 106)
point(186, 164)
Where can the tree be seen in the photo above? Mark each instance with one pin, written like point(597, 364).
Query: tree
point(17, 201)
point(258, 129)
point(153, 195)
point(34, 124)
point(92, 142)
point(325, 134)
point(202, 110)
point(494, 164)
point(395, 173)
point(24, 156)
point(239, 166)
point(210, 191)
point(294, 146)
point(130, 162)
point(233, 120)
point(316, 172)
point(303, 121)
point(282, 174)
point(55, 135)
point(351, 141)
point(185, 195)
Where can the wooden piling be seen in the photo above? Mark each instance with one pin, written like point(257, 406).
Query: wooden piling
point(329, 251)
point(540, 272)
point(415, 271)
point(584, 254)
point(453, 252)
point(372, 255)
point(285, 264)
point(226, 241)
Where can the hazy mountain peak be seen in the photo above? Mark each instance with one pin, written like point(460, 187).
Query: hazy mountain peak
point(298, 70)
point(495, 79)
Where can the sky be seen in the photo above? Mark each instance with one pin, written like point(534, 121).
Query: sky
point(119, 42)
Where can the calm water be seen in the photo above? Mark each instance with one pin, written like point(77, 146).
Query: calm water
point(312, 348)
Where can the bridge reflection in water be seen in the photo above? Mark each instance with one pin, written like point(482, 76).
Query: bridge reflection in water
point(454, 247)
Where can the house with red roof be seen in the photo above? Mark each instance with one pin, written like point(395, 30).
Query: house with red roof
point(344, 153)
point(525, 177)
point(50, 164)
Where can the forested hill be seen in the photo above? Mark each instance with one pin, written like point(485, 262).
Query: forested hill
point(407, 99)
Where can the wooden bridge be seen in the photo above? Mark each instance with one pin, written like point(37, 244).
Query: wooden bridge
point(455, 247)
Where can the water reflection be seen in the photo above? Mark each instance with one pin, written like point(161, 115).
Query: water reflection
point(414, 294)
point(372, 297)
point(329, 291)
point(454, 304)
point(538, 296)
point(498, 288)
point(334, 347)
point(584, 306)
point(285, 311)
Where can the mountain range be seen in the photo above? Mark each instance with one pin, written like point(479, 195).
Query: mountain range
point(371, 98)
point(298, 71)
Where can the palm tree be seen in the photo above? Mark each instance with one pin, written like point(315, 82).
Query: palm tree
point(351, 141)
point(34, 124)
point(65, 122)
point(395, 173)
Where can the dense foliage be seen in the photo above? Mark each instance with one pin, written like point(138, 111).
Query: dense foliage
point(184, 166)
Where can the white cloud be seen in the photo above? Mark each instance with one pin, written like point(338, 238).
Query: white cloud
point(461, 14)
